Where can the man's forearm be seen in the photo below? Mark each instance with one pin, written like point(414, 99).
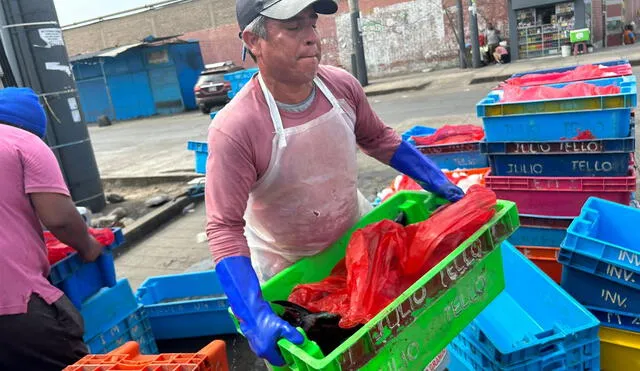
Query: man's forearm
point(73, 233)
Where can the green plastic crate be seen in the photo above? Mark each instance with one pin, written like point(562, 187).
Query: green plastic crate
point(420, 323)
point(581, 35)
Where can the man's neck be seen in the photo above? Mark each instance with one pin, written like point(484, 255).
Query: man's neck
point(288, 94)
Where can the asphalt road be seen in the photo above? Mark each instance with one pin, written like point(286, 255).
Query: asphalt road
point(157, 145)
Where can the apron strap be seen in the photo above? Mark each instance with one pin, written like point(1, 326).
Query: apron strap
point(327, 93)
point(275, 114)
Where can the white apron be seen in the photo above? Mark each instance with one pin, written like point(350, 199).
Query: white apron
point(308, 197)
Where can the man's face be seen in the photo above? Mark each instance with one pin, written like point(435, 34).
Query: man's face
point(291, 52)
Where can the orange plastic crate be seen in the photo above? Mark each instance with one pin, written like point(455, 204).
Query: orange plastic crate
point(479, 171)
point(213, 357)
point(546, 258)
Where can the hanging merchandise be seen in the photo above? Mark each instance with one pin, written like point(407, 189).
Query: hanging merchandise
point(385, 258)
point(543, 30)
point(579, 89)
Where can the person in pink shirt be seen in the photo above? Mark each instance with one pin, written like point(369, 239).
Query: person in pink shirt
point(39, 327)
point(281, 177)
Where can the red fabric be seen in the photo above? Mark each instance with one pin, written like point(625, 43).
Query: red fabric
point(385, 258)
point(586, 72)
point(578, 89)
point(582, 135)
point(452, 134)
point(58, 250)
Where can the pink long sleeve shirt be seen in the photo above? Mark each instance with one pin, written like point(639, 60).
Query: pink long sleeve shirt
point(240, 145)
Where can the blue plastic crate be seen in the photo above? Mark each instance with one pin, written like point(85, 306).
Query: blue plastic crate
point(546, 231)
point(598, 157)
point(80, 280)
point(417, 131)
point(536, 325)
point(620, 320)
point(466, 355)
point(134, 327)
point(239, 79)
point(456, 156)
point(201, 150)
point(186, 305)
point(598, 292)
point(604, 231)
point(599, 268)
point(606, 116)
point(571, 68)
point(107, 307)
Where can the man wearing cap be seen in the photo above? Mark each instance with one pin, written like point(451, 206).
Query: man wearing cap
point(282, 171)
point(39, 327)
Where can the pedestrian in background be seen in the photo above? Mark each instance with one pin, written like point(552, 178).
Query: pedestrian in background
point(628, 37)
point(492, 36)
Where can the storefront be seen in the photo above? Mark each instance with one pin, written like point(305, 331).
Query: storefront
point(542, 26)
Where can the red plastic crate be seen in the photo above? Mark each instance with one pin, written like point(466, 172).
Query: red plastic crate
point(560, 196)
point(546, 258)
point(213, 357)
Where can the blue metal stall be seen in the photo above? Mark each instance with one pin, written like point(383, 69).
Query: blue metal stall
point(155, 76)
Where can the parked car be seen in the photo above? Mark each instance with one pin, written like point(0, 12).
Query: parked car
point(211, 89)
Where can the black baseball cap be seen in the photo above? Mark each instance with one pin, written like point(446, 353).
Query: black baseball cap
point(248, 10)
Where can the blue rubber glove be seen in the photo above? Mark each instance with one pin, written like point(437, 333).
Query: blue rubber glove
point(409, 161)
point(259, 324)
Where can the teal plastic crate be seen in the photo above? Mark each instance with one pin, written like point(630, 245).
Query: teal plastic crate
point(108, 307)
point(201, 150)
point(536, 326)
point(606, 116)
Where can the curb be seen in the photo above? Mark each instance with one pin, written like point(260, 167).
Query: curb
point(150, 222)
point(482, 80)
point(144, 181)
point(396, 90)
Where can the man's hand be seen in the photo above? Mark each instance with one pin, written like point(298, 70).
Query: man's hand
point(92, 252)
point(261, 326)
point(409, 161)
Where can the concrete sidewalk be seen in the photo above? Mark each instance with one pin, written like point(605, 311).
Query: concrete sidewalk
point(417, 81)
point(171, 249)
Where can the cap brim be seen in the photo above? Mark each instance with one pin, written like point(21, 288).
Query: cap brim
point(286, 9)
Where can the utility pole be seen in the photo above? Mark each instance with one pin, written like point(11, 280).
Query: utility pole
point(35, 39)
point(463, 52)
point(358, 45)
point(475, 45)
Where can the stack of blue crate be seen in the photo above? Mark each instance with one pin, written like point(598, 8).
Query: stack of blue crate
point(601, 258)
point(535, 162)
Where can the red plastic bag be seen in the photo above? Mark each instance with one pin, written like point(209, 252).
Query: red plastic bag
point(58, 250)
point(452, 134)
point(385, 258)
point(578, 89)
point(586, 72)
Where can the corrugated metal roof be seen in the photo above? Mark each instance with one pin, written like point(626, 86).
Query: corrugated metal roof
point(114, 52)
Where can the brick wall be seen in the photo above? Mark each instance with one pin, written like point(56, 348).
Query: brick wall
point(399, 36)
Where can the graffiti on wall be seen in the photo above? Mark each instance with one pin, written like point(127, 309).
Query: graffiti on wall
point(397, 38)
